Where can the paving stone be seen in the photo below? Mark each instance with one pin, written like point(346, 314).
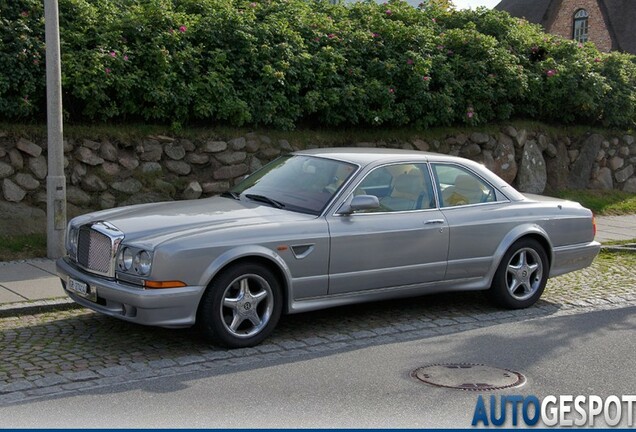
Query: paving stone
point(80, 376)
point(444, 322)
point(292, 344)
point(50, 381)
point(363, 334)
point(293, 353)
point(385, 330)
point(187, 360)
point(217, 355)
point(80, 385)
point(315, 341)
point(337, 337)
point(41, 391)
point(12, 397)
point(268, 348)
point(405, 327)
point(16, 386)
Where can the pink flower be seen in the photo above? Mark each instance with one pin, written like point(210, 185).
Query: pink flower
point(113, 54)
point(125, 58)
point(24, 14)
point(426, 78)
point(470, 113)
point(316, 39)
point(434, 20)
point(440, 47)
point(253, 4)
point(391, 90)
point(36, 61)
point(450, 52)
point(375, 35)
point(597, 60)
point(183, 29)
point(550, 72)
point(388, 12)
point(409, 62)
point(107, 70)
point(331, 35)
point(580, 45)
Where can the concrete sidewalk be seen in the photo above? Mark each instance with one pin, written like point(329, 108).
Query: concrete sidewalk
point(31, 285)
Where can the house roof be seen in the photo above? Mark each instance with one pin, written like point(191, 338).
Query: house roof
point(619, 14)
point(534, 11)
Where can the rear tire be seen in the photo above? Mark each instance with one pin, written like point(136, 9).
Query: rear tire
point(241, 306)
point(521, 276)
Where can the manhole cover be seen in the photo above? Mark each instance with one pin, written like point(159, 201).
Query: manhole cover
point(466, 376)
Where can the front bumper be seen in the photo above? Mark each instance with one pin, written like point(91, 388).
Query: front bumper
point(574, 257)
point(172, 307)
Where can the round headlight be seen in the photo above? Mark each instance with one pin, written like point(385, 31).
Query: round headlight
point(142, 263)
point(125, 259)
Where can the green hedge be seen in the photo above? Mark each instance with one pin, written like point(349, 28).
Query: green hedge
point(282, 63)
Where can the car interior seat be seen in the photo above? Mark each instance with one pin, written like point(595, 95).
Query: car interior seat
point(408, 193)
point(466, 190)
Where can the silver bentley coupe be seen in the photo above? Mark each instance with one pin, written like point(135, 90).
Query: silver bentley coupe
point(322, 228)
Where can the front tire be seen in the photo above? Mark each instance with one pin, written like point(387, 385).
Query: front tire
point(521, 276)
point(241, 306)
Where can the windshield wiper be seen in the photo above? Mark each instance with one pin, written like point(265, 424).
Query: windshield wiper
point(263, 198)
point(230, 194)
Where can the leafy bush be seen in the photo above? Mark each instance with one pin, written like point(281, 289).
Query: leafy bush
point(282, 63)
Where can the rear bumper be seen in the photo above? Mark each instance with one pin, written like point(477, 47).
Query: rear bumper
point(573, 257)
point(173, 307)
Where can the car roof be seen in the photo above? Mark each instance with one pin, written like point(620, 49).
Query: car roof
point(364, 156)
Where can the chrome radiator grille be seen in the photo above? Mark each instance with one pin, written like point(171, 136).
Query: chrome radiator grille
point(94, 251)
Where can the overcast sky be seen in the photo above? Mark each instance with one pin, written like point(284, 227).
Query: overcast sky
point(460, 4)
point(472, 4)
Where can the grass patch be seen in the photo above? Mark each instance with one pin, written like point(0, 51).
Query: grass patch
point(603, 202)
point(22, 247)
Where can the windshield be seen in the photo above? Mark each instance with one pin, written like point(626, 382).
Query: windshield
point(298, 183)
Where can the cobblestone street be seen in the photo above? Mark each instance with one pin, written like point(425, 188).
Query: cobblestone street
point(66, 350)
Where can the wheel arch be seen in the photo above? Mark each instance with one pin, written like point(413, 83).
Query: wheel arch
point(534, 232)
point(256, 254)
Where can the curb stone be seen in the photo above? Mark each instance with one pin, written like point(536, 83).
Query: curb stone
point(37, 307)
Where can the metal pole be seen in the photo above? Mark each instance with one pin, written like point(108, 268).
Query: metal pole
point(55, 181)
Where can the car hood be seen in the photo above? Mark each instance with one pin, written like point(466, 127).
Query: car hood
point(151, 224)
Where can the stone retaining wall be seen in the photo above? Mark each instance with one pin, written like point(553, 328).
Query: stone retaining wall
point(106, 173)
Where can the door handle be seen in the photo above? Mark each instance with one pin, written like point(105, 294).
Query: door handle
point(434, 221)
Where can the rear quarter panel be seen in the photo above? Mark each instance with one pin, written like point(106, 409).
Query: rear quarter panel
point(481, 234)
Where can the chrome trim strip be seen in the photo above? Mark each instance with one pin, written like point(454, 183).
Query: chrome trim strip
point(115, 235)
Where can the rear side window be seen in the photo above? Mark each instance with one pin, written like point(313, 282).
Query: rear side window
point(458, 186)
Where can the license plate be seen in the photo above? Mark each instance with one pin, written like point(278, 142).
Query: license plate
point(82, 289)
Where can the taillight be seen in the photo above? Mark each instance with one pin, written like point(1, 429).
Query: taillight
point(594, 224)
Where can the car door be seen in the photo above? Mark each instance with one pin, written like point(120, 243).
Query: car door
point(404, 242)
point(476, 216)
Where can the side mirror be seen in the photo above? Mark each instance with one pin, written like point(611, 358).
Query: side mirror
point(360, 202)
